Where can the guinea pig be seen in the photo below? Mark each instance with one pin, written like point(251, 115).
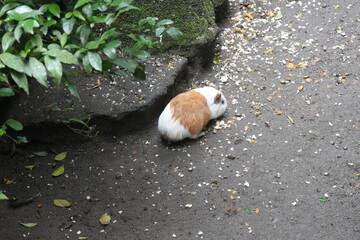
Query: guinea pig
point(188, 113)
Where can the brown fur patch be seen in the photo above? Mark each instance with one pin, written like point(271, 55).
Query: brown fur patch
point(191, 109)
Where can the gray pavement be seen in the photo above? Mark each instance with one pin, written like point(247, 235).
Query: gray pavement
point(283, 164)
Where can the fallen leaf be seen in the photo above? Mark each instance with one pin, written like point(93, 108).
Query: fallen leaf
point(61, 156)
point(232, 197)
point(29, 225)
point(59, 171)
point(257, 210)
point(239, 30)
point(278, 112)
point(40, 153)
point(322, 199)
point(30, 167)
point(269, 51)
point(252, 141)
point(105, 219)
point(62, 203)
point(249, 15)
point(248, 210)
point(269, 99)
point(83, 238)
point(300, 88)
point(290, 119)
point(8, 181)
point(358, 185)
point(278, 16)
point(3, 196)
point(291, 66)
point(235, 19)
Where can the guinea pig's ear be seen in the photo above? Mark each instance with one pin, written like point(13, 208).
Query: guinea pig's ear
point(217, 98)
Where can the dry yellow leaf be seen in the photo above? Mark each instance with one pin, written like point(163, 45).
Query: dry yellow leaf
point(246, 127)
point(171, 65)
point(291, 66)
point(269, 99)
point(269, 51)
point(257, 210)
point(8, 181)
point(249, 15)
point(278, 112)
point(239, 30)
point(252, 141)
point(234, 192)
point(300, 88)
point(232, 197)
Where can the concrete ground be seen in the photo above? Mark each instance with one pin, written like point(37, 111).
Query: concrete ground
point(284, 164)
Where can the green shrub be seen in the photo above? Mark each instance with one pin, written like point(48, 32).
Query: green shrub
point(38, 41)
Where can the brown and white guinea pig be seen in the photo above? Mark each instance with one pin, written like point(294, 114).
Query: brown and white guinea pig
point(188, 113)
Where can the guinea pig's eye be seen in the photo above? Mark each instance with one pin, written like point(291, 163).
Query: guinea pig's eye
point(222, 101)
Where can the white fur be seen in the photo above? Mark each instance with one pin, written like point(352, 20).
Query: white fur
point(172, 130)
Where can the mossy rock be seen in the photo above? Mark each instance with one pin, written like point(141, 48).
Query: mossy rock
point(195, 18)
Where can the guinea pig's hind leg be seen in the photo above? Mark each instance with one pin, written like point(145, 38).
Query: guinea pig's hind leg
point(198, 135)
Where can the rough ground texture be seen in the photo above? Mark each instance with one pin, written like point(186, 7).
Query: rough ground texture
point(284, 165)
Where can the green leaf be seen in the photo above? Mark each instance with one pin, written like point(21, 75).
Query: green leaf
point(78, 15)
point(50, 22)
point(54, 66)
point(7, 7)
point(248, 210)
point(81, 3)
point(159, 31)
point(21, 139)
point(278, 16)
point(3, 196)
point(61, 156)
point(59, 171)
point(216, 60)
point(2, 132)
point(29, 24)
point(149, 20)
point(38, 71)
point(109, 33)
point(95, 60)
point(12, 61)
point(18, 32)
point(105, 219)
point(86, 64)
point(63, 39)
point(113, 44)
point(14, 124)
point(40, 153)
point(21, 80)
point(29, 225)
point(68, 24)
point(84, 33)
point(137, 53)
point(31, 167)
point(7, 40)
point(6, 92)
point(164, 22)
point(54, 9)
point(62, 203)
point(127, 64)
point(77, 121)
point(54, 107)
point(82, 238)
point(110, 52)
point(66, 57)
point(92, 45)
point(174, 33)
point(87, 10)
point(72, 88)
point(140, 73)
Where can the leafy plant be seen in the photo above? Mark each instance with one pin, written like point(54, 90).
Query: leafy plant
point(81, 127)
point(39, 41)
point(15, 125)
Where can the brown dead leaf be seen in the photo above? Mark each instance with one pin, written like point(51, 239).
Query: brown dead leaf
point(278, 112)
point(235, 19)
point(239, 30)
point(269, 51)
point(291, 66)
point(290, 119)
